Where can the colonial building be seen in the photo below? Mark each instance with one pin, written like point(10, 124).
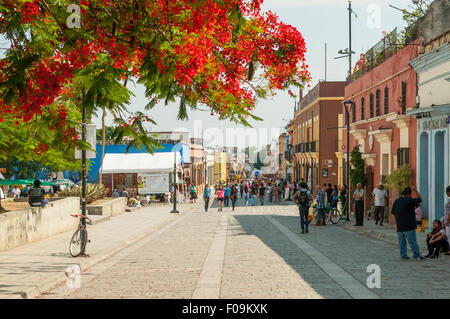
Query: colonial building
point(196, 175)
point(433, 109)
point(283, 142)
point(220, 166)
point(383, 89)
point(315, 126)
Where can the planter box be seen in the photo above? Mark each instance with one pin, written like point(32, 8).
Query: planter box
point(33, 224)
point(110, 208)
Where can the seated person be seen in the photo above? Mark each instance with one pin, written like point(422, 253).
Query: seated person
point(36, 195)
point(436, 240)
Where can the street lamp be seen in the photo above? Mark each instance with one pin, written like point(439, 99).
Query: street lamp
point(348, 107)
point(348, 51)
point(174, 210)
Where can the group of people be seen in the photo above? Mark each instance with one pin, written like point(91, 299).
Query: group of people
point(249, 190)
point(404, 210)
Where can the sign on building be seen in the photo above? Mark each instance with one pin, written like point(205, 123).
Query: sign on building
point(91, 138)
point(153, 183)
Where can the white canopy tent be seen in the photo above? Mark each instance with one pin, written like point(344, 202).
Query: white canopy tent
point(140, 163)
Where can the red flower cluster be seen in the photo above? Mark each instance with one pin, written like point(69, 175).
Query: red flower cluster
point(197, 44)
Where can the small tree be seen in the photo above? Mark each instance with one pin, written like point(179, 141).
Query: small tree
point(400, 178)
point(357, 170)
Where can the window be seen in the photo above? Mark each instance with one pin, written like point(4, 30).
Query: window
point(403, 97)
point(354, 113)
point(402, 156)
point(386, 100)
point(362, 108)
point(371, 105)
point(377, 108)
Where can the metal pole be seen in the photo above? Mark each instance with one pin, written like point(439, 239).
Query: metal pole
point(350, 39)
point(83, 160)
point(174, 211)
point(347, 114)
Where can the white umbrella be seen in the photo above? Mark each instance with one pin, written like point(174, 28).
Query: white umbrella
point(1, 176)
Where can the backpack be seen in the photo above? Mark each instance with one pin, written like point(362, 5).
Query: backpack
point(303, 199)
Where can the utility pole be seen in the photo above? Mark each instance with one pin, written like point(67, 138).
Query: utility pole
point(174, 211)
point(83, 159)
point(350, 38)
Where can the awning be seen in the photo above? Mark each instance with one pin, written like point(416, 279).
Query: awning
point(140, 163)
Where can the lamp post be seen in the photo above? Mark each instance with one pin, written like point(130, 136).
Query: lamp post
point(348, 107)
point(174, 210)
point(348, 51)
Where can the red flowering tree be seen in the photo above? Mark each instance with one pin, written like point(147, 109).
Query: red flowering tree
point(222, 54)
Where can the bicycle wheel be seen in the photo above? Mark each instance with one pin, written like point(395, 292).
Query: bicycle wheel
point(78, 242)
point(335, 216)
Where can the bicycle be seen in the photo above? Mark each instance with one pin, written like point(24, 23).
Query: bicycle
point(79, 238)
point(335, 214)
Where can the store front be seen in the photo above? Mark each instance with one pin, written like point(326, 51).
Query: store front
point(433, 117)
point(433, 158)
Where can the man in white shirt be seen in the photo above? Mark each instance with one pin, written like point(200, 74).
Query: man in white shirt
point(379, 196)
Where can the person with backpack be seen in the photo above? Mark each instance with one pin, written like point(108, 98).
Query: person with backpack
point(303, 200)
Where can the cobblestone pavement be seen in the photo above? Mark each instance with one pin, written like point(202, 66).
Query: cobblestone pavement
point(258, 253)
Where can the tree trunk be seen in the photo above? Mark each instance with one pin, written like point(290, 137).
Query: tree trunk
point(2, 210)
point(103, 144)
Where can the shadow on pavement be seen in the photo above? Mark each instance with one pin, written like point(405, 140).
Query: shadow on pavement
point(307, 269)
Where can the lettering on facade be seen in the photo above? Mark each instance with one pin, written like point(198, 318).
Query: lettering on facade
point(434, 124)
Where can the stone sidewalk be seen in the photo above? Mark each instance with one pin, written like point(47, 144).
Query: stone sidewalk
point(386, 232)
point(27, 271)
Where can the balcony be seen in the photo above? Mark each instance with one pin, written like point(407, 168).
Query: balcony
point(386, 48)
point(306, 147)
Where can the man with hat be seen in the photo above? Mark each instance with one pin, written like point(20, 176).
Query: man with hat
point(379, 196)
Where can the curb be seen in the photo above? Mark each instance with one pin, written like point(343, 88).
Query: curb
point(59, 278)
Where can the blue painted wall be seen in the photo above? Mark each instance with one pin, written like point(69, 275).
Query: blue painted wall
point(95, 163)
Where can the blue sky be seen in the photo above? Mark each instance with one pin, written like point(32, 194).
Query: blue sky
point(320, 22)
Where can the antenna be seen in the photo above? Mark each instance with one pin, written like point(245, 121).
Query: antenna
point(325, 61)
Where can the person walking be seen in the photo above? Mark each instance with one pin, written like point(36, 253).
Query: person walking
point(320, 206)
point(220, 197)
point(329, 192)
point(246, 195)
point(358, 196)
point(227, 195)
point(206, 196)
point(262, 193)
point(270, 192)
point(193, 193)
point(233, 195)
point(241, 189)
point(303, 200)
point(379, 196)
point(334, 197)
point(275, 192)
point(253, 192)
point(405, 218)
